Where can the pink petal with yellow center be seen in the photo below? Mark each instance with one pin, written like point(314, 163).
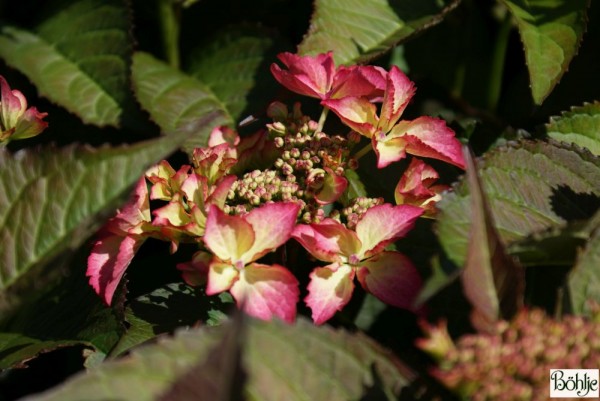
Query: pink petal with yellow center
point(328, 240)
point(135, 212)
point(388, 150)
point(30, 124)
point(429, 137)
point(172, 214)
point(392, 278)
point(398, 92)
point(221, 277)
point(356, 112)
point(329, 290)
point(221, 190)
point(110, 257)
point(306, 75)
point(228, 237)
point(333, 187)
point(383, 224)
point(272, 225)
point(220, 135)
point(267, 291)
point(12, 105)
point(416, 180)
point(195, 188)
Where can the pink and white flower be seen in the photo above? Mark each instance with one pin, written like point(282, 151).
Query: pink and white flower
point(393, 139)
point(16, 120)
point(388, 275)
point(237, 242)
point(416, 187)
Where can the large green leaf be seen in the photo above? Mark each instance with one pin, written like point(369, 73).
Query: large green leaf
point(492, 281)
point(284, 362)
point(50, 201)
point(531, 186)
point(176, 101)
point(581, 126)
point(79, 58)
point(235, 66)
point(584, 280)
point(358, 30)
point(551, 31)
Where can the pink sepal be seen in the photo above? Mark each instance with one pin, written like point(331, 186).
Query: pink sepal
point(329, 290)
point(383, 224)
point(392, 278)
point(327, 240)
point(265, 291)
point(110, 257)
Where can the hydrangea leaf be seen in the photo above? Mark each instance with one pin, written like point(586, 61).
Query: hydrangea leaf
point(492, 281)
point(360, 30)
point(51, 201)
point(66, 314)
point(584, 280)
point(580, 125)
point(177, 102)
point(531, 186)
point(320, 364)
point(551, 31)
point(78, 58)
point(234, 66)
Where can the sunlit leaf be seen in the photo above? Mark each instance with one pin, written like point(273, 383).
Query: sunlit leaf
point(492, 280)
point(79, 58)
point(531, 187)
point(320, 364)
point(176, 101)
point(358, 30)
point(580, 125)
point(551, 31)
point(50, 201)
point(235, 66)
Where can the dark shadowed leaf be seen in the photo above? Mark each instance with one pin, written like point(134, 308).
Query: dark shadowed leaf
point(319, 364)
point(235, 66)
point(492, 280)
point(51, 200)
point(79, 58)
point(580, 125)
point(531, 187)
point(164, 310)
point(220, 376)
point(551, 31)
point(176, 101)
point(358, 30)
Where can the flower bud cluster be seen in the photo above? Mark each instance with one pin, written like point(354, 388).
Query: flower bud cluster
point(300, 173)
point(514, 363)
point(351, 214)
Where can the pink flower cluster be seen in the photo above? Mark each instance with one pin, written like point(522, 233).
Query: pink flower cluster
point(236, 220)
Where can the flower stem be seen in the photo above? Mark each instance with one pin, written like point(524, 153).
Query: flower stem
point(170, 13)
point(363, 151)
point(322, 119)
point(498, 61)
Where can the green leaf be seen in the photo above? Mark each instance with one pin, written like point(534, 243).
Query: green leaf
point(359, 30)
point(531, 187)
point(51, 200)
point(355, 187)
point(319, 364)
point(67, 314)
point(581, 126)
point(492, 281)
point(163, 310)
point(584, 280)
point(551, 31)
point(79, 58)
point(176, 101)
point(235, 66)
